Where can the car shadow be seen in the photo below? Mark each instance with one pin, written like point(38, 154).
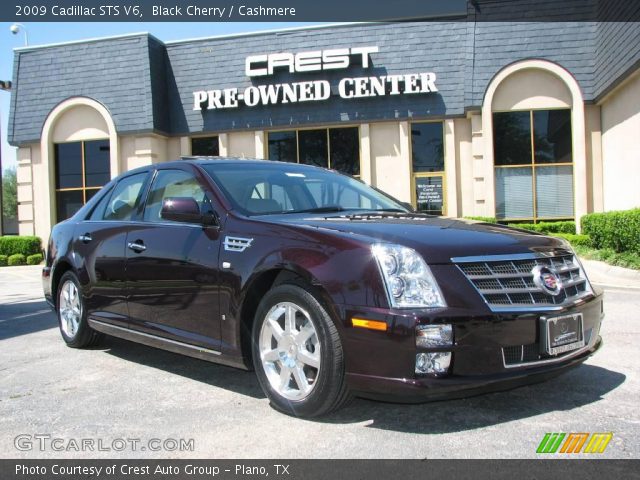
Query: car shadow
point(24, 317)
point(578, 387)
point(221, 376)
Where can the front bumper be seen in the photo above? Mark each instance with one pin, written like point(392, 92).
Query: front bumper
point(381, 365)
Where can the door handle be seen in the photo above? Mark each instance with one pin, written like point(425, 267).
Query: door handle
point(136, 246)
point(86, 238)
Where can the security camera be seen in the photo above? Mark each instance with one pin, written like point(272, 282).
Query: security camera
point(15, 29)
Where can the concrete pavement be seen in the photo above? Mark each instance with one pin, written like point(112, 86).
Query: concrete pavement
point(124, 390)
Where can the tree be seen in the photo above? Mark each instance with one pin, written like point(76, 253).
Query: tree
point(9, 194)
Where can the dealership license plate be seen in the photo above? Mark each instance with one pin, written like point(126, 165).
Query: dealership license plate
point(564, 333)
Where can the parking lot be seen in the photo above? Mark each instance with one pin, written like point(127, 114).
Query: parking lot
point(122, 390)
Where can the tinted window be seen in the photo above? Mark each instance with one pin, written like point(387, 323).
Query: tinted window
point(97, 163)
point(205, 146)
point(81, 169)
point(283, 146)
point(171, 184)
point(125, 198)
point(68, 203)
point(344, 145)
point(336, 148)
point(530, 183)
point(552, 136)
point(427, 147)
point(68, 165)
point(512, 137)
point(312, 146)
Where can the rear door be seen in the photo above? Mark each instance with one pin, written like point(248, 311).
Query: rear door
point(99, 246)
point(172, 267)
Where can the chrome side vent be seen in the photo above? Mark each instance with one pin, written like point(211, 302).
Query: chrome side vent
point(237, 244)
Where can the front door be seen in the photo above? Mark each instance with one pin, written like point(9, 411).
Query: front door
point(99, 246)
point(172, 267)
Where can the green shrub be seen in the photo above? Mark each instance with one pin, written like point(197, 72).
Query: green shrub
point(10, 245)
point(3, 260)
point(618, 231)
point(626, 259)
point(575, 240)
point(35, 259)
point(16, 259)
point(482, 219)
point(558, 227)
point(548, 227)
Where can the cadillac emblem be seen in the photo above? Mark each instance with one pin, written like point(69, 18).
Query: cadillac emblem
point(547, 280)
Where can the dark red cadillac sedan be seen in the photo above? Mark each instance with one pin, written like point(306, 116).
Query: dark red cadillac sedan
point(325, 286)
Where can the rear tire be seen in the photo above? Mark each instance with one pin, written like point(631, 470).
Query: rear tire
point(72, 316)
point(297, 353)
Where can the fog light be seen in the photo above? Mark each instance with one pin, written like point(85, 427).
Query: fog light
point(428, 336)
point(433, 363)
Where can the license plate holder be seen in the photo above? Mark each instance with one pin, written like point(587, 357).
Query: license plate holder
point(562, 334)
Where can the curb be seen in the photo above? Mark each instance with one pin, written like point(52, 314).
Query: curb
point(607, 275)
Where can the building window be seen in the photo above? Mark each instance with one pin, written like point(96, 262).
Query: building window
point(205, 146)
point(82, 168)
point(336, 148)
point(427, 163)
point(533, 165)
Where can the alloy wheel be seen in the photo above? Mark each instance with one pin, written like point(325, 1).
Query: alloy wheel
point(290, 351)
point(70, 309)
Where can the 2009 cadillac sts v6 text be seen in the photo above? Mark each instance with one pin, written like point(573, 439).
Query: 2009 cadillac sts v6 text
point(325, 286)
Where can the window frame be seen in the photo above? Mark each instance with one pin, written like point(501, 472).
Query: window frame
point(84, 187)
point(326, 129)
point(533, 166)
point(416, 175)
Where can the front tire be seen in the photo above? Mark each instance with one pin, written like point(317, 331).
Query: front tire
point(297, 353)
point(72, 317)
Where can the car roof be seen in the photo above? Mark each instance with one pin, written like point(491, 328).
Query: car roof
point(231, 160)
point(194, 160)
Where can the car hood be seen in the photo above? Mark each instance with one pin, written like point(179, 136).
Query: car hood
point(438, 239)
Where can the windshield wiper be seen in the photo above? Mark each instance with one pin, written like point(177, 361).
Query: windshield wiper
point(399, 210)
point(324, 209)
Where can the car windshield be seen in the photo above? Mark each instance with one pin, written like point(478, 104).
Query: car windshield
point(276, 188)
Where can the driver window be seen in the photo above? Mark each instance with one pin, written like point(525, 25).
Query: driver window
point(172, 184)
point(125, 197)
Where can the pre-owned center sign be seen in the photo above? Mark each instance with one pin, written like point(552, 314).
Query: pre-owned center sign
point(313, 90)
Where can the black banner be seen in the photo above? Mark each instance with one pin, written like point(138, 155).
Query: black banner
point(316, 11)
point(317, 469)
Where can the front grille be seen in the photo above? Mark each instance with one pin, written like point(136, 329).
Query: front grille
point(523, 354)
point(507, 283)
point(518, 354)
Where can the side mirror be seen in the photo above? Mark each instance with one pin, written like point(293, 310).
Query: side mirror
point(185, 210)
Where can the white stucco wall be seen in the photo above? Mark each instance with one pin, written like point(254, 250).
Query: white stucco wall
point(390, 162)
point(621, 147)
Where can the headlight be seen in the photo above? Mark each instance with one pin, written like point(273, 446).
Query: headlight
point(407, 278)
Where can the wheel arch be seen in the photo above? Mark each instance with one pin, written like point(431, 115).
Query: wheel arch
point(59, 270)
point(265, 280)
